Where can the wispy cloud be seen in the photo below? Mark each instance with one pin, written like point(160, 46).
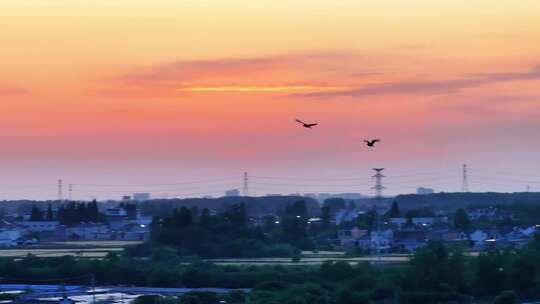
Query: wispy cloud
point(263, 89)
point(280, 74)
point(434, 87)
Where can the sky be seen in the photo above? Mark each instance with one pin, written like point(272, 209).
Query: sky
point(180, 98)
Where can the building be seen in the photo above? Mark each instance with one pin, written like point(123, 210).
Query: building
point(352, 237)
point(84, 232)
point(382, 241)
point(39, 226)
point(409, 240)
point(116, 212)
point(9, 233)
point(419, 221)
point(346, 215)
point(141, 197)
point(232, 192)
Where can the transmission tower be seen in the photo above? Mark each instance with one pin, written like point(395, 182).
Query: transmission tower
point(70, 192)
point(378, 182)
point(246, 184)
point(60, 190)
point(465, 181)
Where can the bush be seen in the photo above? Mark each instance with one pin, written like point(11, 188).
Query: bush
point(506, 297)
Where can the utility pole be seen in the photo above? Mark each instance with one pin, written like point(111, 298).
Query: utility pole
point(93, 289)
point(465, 180)
point(246, 184)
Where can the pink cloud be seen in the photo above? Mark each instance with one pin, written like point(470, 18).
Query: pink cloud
point(267, 74)
point(434, 86)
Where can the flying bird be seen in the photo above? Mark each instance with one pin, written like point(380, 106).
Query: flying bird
point(307, 125)
point(371, 143)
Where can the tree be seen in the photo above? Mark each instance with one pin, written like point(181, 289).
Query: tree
point(461, 219)
point(367, 220)
point(394, 211)
point(49, 213)
point(36, 214)
point(205, 219)
point(335, 204)
point(325, 217)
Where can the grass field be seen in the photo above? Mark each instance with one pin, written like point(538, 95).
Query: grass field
point(99, 249)
point(91, 249)
point(310, 258)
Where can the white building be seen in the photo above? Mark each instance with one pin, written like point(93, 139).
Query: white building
point(382, 240)
point(9, 236)
point(115, 212)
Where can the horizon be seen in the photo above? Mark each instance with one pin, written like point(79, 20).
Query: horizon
point(184, 97)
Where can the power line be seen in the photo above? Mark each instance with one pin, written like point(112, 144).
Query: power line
point(159, 184)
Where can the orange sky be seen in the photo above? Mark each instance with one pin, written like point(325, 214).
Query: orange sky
point(139, 92)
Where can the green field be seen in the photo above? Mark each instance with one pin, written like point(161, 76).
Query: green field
point(99, 249)
point(315, 258)
point(91, 249)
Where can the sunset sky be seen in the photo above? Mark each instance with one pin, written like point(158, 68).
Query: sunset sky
point(181, 97)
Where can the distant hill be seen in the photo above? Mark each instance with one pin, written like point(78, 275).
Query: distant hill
point(255, 206)
point(452, 201)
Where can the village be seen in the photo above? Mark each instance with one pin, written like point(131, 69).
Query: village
point(116, 223)
point(380, 229)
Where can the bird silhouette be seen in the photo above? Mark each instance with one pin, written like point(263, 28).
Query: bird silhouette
point(307, 125)
point(371, 143)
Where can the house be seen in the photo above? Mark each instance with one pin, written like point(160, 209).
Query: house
point(349, 238)
point(382, 241)
point(84, 232)
point(345, 215)
point(133, 232)
point(10, 233)
point(115, 212)
point(419, 221)
point(487, 238)
point(409, 240)
point(448, 236)
point(39, 226)
point(518, 237)
point(478, 237)
point(489, 214)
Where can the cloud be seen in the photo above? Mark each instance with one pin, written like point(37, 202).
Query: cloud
point(280, 74)
point(434, 87)
point(262, 89)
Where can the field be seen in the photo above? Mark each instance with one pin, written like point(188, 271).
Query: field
point(93, 249)
point(315, 258)
point(99, 249)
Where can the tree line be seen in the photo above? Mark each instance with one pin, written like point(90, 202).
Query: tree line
point(69, 214)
